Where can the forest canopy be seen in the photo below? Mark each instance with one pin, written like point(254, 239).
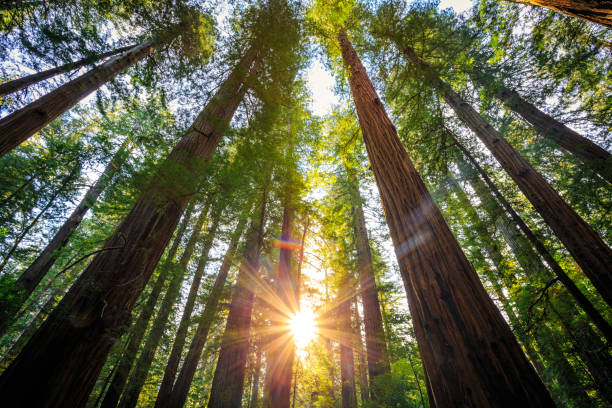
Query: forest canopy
point(305, 203)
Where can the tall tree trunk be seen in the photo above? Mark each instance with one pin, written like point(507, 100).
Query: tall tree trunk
point(282, 346)
point(31, 277)
point(165, 388)
point(64, 357)
point(180, 390)
point(141, 369)
point(469, 353)
point(257, 371)
point(590, 348)
point(347, 362)
point(361, 354)
point(378, 360)
point(228, 381)
point(586, 305)
point(586, 247)
point(562, 370)
point(23, 123)
point(138, 331)
point(595, 157)
point(18, 84)
point(595, 11)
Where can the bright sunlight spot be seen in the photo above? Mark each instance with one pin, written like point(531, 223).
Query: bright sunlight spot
point(320, 83)
point(459, 5)
point(303, 328)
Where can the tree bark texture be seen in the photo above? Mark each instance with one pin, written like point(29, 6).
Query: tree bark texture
point(470, 356)
point(562, 370)
point(586, 247)
point(599, 321)
point(282, 347)
point(590, 348)
point(18, 84)
point(141, 369)
point(595, 157)
point(23, 123)
point(376, 346)
point(111, 399)
point(595, 11)
point(64, 357)
point(180, 390)
point(228, 380)
point(165, 388)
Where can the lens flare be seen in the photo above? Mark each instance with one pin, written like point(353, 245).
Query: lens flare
point(303, 328)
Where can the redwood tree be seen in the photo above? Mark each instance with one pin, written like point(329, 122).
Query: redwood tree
point(23, 82)
point(228, 381)
point(378, 360)
point(23, 123)
point(469, 353)
point(63, 358)
point(180, 389)
point(596, 11)
point(591, 253)
point(595, 157)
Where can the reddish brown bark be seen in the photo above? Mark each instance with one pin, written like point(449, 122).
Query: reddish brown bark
point(20, 125)
point(378, 360)
point(64, 357)
point(165, 388)
point(582, 301)
point(178, 272)
point(180, 389)
point(115, 389)
point(228, 381)
point(582, 148)
point(470, 356)
point(281, 347)
point(582, 242)
point(595, 11)
point(18, 84)
point(31, 277)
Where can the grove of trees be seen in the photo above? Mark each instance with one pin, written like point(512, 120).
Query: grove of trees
point(181, 226)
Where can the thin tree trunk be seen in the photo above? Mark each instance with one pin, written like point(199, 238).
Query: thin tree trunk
point(378, 360)
point(582, 242)
point(174, 360)
point(347, 362)
point(180, 390)
point(228, 381)
point(595, 11)
point(32, 276)
point(282, 346)
point(595, 157)
point(64, 357)
point(470, 356)
point(18, 84)
point(141, 369)
point(361, 354)
point(257, 372)
point(127, 360)
point(586, 305)
point(23, 123)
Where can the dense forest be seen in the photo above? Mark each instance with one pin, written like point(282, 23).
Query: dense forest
point(305, 203)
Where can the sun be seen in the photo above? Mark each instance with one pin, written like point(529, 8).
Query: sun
point(303, 328)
